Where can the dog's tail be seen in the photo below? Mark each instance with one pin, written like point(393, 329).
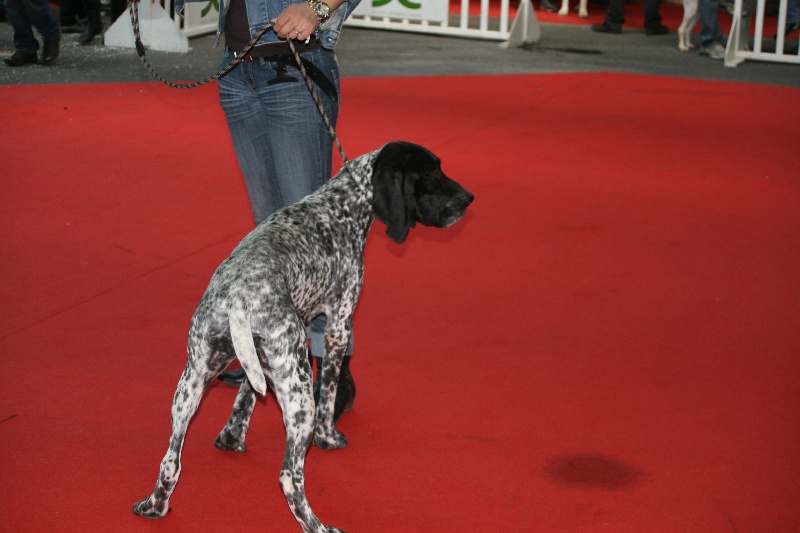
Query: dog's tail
point(242, 337)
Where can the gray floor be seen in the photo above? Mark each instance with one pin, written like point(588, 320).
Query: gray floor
point(563, 48)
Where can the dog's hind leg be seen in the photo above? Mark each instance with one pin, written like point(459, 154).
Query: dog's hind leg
point(232, 436)
point(205, 363)
point(185, 403)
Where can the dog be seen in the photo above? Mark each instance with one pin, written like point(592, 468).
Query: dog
point(583, 12)
point(690, 18)
point(303, 261)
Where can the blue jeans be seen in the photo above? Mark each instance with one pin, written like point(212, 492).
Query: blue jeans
point(24, 15)
point(710, 32)
point(793, 11)
point(281, 142)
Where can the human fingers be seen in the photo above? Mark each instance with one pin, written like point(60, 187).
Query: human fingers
point(297, 21)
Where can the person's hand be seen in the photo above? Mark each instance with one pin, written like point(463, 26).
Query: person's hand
point(298, 21)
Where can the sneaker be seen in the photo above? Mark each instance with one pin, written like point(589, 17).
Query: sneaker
point(605, 28)
point(716, 51)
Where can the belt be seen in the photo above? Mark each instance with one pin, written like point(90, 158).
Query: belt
point(280, 52)
point(277, 49)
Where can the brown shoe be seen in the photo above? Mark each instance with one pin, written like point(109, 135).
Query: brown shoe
point(50, 51)
point(21, 58)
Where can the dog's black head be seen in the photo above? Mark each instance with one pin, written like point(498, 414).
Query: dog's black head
point(409, 187)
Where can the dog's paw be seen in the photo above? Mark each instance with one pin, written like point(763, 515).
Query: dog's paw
point(583, 13)
point(331, 441)
point(149, 509)
point(331, 529)
point(229, 444)
point(563, 12)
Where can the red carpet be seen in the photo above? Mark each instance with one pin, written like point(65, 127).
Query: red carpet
point(607, 343)
point(671, 13)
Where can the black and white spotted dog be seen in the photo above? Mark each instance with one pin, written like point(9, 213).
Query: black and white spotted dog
point(303, 261)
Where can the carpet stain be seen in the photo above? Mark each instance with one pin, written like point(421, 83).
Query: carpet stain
point(592, 471)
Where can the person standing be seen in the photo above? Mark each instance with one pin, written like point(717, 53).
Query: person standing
point(615, 18)
point(24, 16)
point(281, 142)
point(94, 23)
point(711, 36)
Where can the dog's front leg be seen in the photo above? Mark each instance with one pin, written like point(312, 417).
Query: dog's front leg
point(325, 435)
point(232, 436)
point(293, 390)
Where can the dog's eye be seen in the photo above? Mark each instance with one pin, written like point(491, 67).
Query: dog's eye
point(429, 173)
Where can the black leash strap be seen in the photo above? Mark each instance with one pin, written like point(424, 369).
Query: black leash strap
point(133, 6)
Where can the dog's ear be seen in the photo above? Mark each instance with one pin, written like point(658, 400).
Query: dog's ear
point(393, 193)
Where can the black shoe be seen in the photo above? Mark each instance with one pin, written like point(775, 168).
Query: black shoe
point(50, 50)
point(21, 58)
point(656, 30)
point(605, 28)
point(92, 30)
point(345, 392)
point(234, 378)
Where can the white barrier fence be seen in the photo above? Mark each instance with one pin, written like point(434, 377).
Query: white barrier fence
point(384, 15)
point(422, 16)
point(425, 16)
point(160, 29)
point(738, 48)
point(199, 18)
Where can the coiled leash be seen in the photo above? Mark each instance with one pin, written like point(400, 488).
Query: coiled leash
point(133, 6)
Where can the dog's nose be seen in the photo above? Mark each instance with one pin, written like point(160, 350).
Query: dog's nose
point(467, 199)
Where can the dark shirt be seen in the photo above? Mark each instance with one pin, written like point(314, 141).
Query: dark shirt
point(237, 29)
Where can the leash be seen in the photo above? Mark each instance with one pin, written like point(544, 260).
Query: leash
point(134, 11)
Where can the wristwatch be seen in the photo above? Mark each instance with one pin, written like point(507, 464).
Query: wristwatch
point(322, 9)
